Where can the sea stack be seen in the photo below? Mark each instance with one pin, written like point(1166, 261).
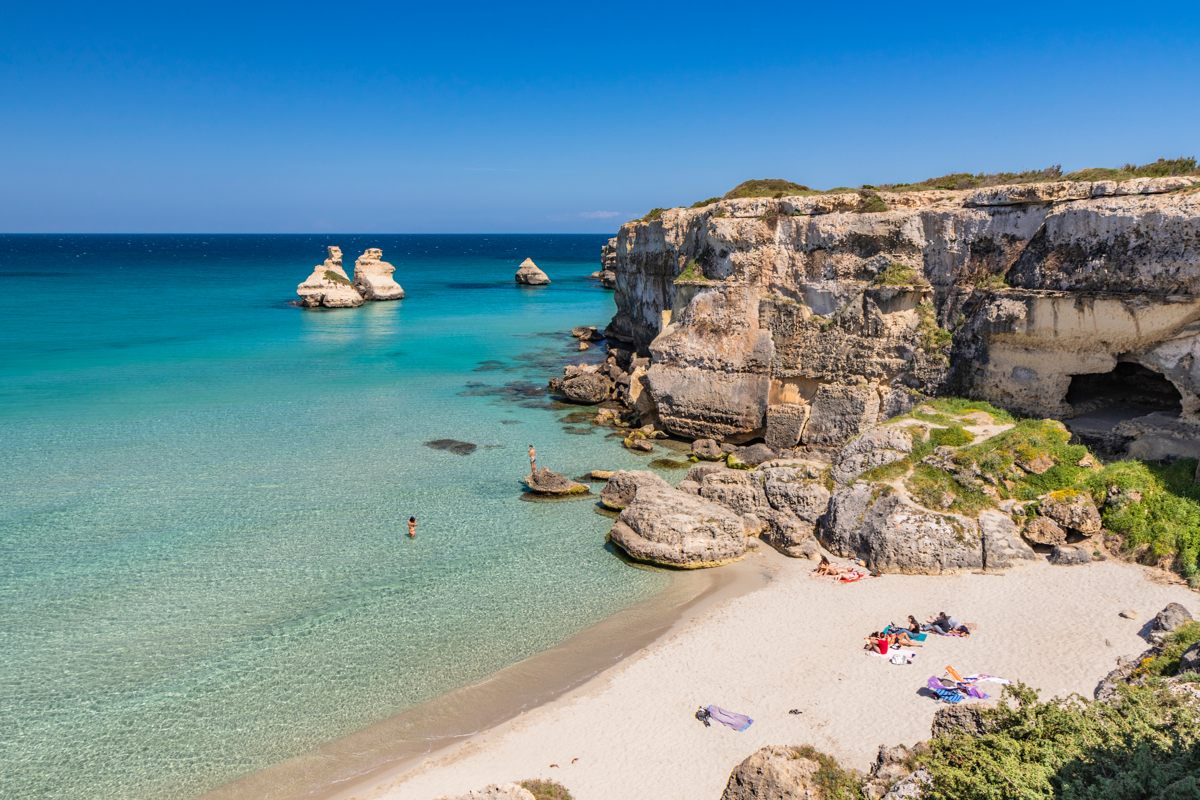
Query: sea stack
point(530, 275)
point(329, 286)
point(373, 277)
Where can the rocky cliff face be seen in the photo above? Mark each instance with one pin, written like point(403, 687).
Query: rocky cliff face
point(329, 286)
point(804, 320)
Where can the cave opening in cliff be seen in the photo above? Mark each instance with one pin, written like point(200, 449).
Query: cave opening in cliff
point(1130, 388)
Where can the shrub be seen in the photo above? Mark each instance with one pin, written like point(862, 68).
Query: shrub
point(1143, 745)
point(702, 203)
point(766, 187)
point(691, 273)
point(897, 274)
point(967, 180)
point(870, 202)
point(546, 790)
point(1162, 168)
point(653, 214)
point(1176, 644)
point(337, 277)
point(937, 339)
point(834, 781)
point(1165, 524)
point(937, 489)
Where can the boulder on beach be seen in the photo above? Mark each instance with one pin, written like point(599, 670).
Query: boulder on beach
point(776, 772)
point(373, 277)
point(671, 528)
point(543, 481)
point(623, 486)
point(329, 286)
point(530, 275)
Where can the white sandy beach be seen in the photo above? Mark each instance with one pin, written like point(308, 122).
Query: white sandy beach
point(630, 731)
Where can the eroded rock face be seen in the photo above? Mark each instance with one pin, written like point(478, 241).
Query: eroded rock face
point(623, 486)
point(876, 447)
point(329, 286)
point(529, 274)
point(891, 533)
point(373, 277)
point(672, 528)
point(1043, 530)
point(804, 321)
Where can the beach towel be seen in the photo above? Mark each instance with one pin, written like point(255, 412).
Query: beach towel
point(739, 722)
point(953, 673)
point(951, 696)
point(851, 577)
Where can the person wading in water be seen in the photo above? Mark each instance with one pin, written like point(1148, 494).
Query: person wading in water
point(532, 460)
point(412, 527)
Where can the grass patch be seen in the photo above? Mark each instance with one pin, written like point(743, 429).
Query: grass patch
point(766, 187)
point(1027, 441)
point(961, 406)
point(937, 340)
point(337, 277)
point(1166, 663)
point(978, 180)
point(653, 214)
point(992, 282)
point(702, 203)
point(1165, 525)
point(1161, 168)
point(897, 274)
point(692, 273)
point(546, 790)
point(1143, 745)
point(936, 489)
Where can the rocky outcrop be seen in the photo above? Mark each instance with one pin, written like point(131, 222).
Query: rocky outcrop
point(497, 791)
point(876, 447)
point(543, 481)
point(588, 384)
point(623, 486)
point(1073, 510)
point(373, 277)
point(776, 772)
point(1043, 530)
point(672, 528)
point(529, 274)
point(608, 263)
point(804, 320)
point(329, 286)
point(1172, 617)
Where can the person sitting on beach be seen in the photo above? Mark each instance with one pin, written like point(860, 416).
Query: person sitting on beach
point(901, 639)
point(913, 625)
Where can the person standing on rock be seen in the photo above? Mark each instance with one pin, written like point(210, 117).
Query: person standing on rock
point(532, 460)
point(412, 527)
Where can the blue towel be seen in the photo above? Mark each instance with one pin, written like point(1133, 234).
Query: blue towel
point(739, 722)
point(948, 696)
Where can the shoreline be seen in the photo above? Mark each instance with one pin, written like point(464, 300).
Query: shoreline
point(395, 745)
point(797, 644)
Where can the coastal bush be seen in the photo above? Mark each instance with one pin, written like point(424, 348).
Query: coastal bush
point(897, 274)
point(706, 202)
point(1166, 663)
point(967, 180)
point(1164, 525)
point(937, 489)
point(653, 214)
point(869, 202)
point(1143, 744)
point(766, 187)
point(937, 339)
point(546, 790)
point(691, 273)
point(834, 781)
point(1162, 168)
point(337, 277)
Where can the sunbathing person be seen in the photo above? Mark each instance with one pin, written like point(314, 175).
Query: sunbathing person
point(826, 567)
point(947, 625)
point(913, 625)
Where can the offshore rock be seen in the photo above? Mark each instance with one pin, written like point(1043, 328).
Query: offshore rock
point(587, 384)
point(543, 481)
point(530, 275)
point(329, 286)
point(672, 528)
point(373, 277)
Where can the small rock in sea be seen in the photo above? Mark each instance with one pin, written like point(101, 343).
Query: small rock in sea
point(459, 448)
point(545, 482)
point(373, 277)
point(670, 463)
point(530, 275)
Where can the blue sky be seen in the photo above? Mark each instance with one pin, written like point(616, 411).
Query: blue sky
point(506, 117)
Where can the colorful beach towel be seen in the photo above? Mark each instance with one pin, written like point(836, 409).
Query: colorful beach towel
point(739, 722)
point(951, 696)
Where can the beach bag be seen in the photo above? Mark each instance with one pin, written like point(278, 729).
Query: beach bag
point(901, 658)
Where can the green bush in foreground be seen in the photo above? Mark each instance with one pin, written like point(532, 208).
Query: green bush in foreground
point(835, 781)
point(1143, 745)
point(546, 790)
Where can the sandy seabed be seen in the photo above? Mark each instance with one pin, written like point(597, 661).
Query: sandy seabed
point(630, 732)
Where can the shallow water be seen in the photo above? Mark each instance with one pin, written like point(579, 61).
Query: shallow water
point(203, 567)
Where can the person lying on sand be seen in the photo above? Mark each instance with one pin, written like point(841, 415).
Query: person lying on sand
point(893, 640)
point(826, 567)
point(947, 625)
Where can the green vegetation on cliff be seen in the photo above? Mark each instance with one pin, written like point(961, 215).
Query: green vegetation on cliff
point(1142, 745)
point(336, 277)
point(766, 187)
point(546, 790)
point(1162, 168)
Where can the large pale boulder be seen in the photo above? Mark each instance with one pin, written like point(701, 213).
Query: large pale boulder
point(624, 485)
point(329, 286)
point(672, 528)
point(530, 274)
point(796, 490)
point(1043, 530)
point(373, 277)
point(876, 447)
point(776, 772)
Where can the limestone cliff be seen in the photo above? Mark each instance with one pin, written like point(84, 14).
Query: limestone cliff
point(806, 319)
point(373, 277)
point(329, 286)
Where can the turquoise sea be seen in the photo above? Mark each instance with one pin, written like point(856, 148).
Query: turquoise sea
point(203, 496)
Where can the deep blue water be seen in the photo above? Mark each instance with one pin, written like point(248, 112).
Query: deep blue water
point(203, 492)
